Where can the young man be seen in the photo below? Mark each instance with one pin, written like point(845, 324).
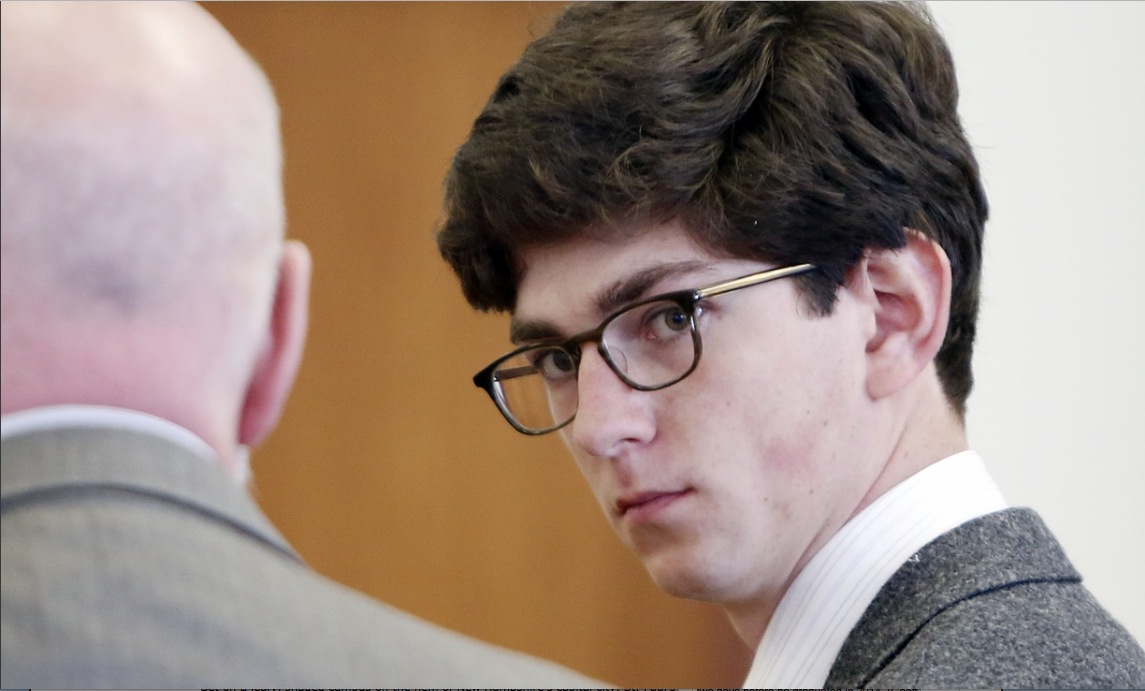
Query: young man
point(153, 322)
point(741, 247)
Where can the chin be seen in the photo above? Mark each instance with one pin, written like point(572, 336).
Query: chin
point(690, 578)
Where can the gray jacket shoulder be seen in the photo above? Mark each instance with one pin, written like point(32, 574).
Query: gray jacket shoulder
point(130, 563)
point(1027, 635)
point(993, 603)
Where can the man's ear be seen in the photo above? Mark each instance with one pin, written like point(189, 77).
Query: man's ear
point(277, 366)
point(909, 290)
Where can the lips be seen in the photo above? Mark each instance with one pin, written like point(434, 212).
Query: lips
point(647, 502)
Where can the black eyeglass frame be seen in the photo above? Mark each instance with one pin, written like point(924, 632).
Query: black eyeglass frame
point(685, 299)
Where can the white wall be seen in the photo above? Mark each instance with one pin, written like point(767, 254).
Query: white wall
point(1053, 99)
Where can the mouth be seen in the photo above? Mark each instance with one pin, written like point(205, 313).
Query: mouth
point(644, 504)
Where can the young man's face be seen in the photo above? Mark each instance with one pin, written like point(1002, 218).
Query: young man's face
point(725, 483)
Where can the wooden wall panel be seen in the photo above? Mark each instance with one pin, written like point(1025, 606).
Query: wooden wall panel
point(390, 472)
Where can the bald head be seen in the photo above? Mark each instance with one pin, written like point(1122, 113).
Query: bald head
point(140, 149)
point(142, 213)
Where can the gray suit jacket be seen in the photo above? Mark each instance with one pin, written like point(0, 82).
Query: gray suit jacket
point(128, 562)
point(991, 604)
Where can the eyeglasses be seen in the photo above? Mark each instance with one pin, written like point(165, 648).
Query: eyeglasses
point(650, 345)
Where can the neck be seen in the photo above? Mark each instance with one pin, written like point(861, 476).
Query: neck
point(751, 618)
point(929, 431)
point(127, 376)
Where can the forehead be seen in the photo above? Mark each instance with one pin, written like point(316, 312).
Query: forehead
point(583, 280)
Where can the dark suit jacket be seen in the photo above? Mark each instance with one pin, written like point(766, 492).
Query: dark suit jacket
point(128, 562)
point(991, 604)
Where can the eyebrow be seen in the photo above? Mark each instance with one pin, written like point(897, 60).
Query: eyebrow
point(613, 297)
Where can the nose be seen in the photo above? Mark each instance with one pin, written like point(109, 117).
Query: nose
point(610, 415)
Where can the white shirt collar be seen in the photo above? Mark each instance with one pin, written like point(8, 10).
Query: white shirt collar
point(104, 417)
point(830, 594)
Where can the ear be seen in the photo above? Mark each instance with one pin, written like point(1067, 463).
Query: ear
point(277, 367)
point(909, 290)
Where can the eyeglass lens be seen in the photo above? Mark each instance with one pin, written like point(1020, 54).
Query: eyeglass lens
point(648, 346)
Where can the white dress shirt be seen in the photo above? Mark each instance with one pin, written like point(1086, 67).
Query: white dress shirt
point(840, 581)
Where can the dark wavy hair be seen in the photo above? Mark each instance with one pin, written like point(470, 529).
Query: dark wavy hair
point(781, 131)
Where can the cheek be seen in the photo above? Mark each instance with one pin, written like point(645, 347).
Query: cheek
point(781, 414)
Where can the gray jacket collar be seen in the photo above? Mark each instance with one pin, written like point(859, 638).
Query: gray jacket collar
point(52, 465)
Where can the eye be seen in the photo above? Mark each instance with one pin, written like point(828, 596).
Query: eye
point(554, 364)
point(666, 322)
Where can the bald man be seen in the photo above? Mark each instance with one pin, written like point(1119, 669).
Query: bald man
point(153, 322)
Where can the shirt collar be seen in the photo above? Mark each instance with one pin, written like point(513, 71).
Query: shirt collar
point(104, 417)
point(840, 581)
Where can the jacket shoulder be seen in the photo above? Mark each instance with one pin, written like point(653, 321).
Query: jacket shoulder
point(1026, 635)
point(992, 603)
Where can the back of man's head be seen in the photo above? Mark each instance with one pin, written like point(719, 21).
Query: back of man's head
point(142, 216)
